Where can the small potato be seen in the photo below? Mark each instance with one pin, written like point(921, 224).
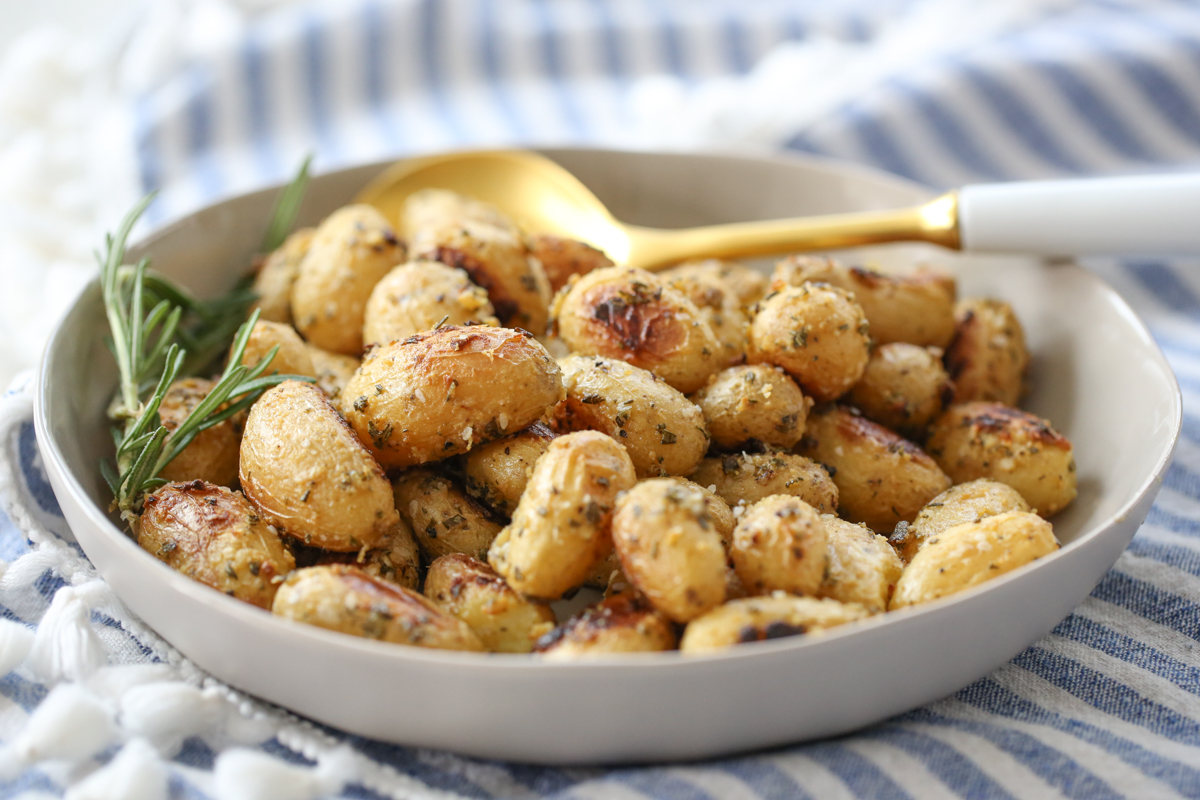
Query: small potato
point(904, 387)
point(881, 478)
point(498, 472)
point(396, 560)
point(863, 567)
point(333, 370)
point(351, 252)
point(661, 429)
point(273, 283)
point(992, 440)
point(213, 455)
point(721, 308)
point(666, 537)
point(629, 314)
point(757, 619)
point(987, 358)
point(815, 332)
point(966, 502)
point(416, 296)
point(214, 536)
point(561, 258)
point(780, 544)
point(305, 469)
point(441, 393)
point(746, 284)
point(758, 402)
point(620, 624)
point(917, 308)
point(442, 516)
point(472, 591)
point(559, 532)
point(722, 514)
point(345, 599)
point(742, 479)
point(969, 554)
point(293, 356)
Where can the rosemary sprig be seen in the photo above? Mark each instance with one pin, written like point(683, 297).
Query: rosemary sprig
point(287, 206)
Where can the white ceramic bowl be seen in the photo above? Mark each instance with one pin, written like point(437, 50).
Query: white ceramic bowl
point(1097, 375)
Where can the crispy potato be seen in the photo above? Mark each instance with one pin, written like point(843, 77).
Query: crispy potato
point(305, 469)
point(863, 567)
point(987, 358)
point(917, 308)
point(620, 624)
point(561, 258)
point(293, 356)
point(441, 393)
point(498, 472)
point(396, 560)
point(756, 402)
point(904, 387)
point(629, 314)
point(966, 502)
point(742, 479)
point(345, 599)
point(661, 429)
point(992, 440)
point(442, 516)
point(722, 514)
point(969, 554)
point(273, 283)
point(213, 455)
point(351, 252)
point(419, 295)
point(815, 332)
point(469, 589)
point(666, 537)
point(882, 479)
point(755, 619)
point(746, 284)
point(721, 308)
point(333, 370)
point(780, 544)
point(559, 532)
point(214, 536)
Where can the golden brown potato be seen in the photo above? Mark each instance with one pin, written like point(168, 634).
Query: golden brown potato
point(442, 516)
point(561, 258)
point(345, 599)
point(441, 393)
point(721, 308)
point(969, 554)
point(780, 544)
point(351, 251)
point(746, 284)
point(863, 567)
point(419, 295)
point(273, 283)
point(667, 539)
point(987, 358)
point(333, 370)
point(966, 502)
point(662, 430)
point(293, 356)
point(213, 455)
point(816, 333)
point(881, 478)
point(559, 532)
point(917, 308)
point(722, 514)
point(904, 387)
point(756, 619)
point(498, 472)
point(742, 479)
point(306, 470)
point(992, 440)
point(396, 559)
point(503, 620)
point(620, 624)
point(214, 536)
point(757, 402)
point(629, 314)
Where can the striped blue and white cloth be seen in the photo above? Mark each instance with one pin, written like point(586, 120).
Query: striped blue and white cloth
point(946, 92)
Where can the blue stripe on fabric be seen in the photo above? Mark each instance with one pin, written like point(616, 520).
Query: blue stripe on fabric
point(430, 24)
point(1172, 522)
point(1162, 92)
point(1167, 287)
point(145, 136)
point(767, 780)
point(316, 72)
point(671, 39)
point(881, 147)
point(1183, 480)
point(954, 138)
point(374, 32)
point(30, 781)
point(1177, 556)
point(1146, 600)
point(1092, 106)
point(610, 42)
point(360, 792)
point(35, 477)
point(404, 759)
point(195, 752)
point(199, 117)
point(1190, 430)
point(545, 781)
point(489, 53)
point(655, 783)
point(1112, 643)
point(48, 583)
point(26, 694)
point(860, 776)
point(552, 61)
point(737, 49)
point(951, 767)
point(258, 105)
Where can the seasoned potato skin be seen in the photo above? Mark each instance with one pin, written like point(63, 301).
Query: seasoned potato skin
point(304, 468)
point(720, 307)
point(623, 623)
point(863, 567)
point(745, 478)
point(662, 430)
point(416, 296)
point(816, 333)
point(469, 589)
point(669, 547)
point(559, 532)
point(757, 402)
point(629, 314)
point(744, 283)
point(904, 387)
point(293, 356)
point(882, 479)
point(561, 258)
point(396, 559)
point(333, 370)
point(442, 516)
point(214, 536)
point(273, 283)
point(780, 544)
point(441, 393)
point(213, 454)
point(1005, 444)
point(345, 599)
point(755, 619)
point(498, 472)
point(969, 554)
point(966, 502)
point(350, 252)
point(988, 358)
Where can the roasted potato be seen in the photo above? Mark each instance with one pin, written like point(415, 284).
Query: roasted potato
point(498, 472)
point(442, 516)
point(966, 502)
point(780, 544)
point(419, 295)
point(755, 619)
point(904, 387)
point(561, 258)
point(293, 356)
point(623, 623)
point(742, 479)
point(746, 284)
point(333, 370)
point(213, 455)
point(987, 358)
point(863, 567)
point(469, 589)
point(758, 402)
point(273, 283)
point(721, 308)
point(396, 560)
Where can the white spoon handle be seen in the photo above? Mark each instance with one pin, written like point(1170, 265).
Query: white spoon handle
point(1138, 215)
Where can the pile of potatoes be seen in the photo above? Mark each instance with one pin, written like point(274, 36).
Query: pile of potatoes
point(496, 420)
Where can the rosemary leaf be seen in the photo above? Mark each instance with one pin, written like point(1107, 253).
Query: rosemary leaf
point(287, 207)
